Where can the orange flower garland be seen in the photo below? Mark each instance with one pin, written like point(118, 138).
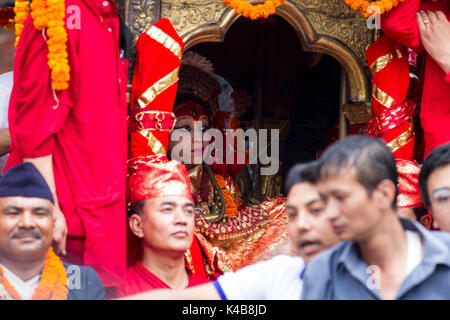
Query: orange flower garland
point(22, 10)
point(230, 205)
point(57, 56)
point(254, 11)
point(39, 14)
point(363, 5)
point(7, 18)
point(53, 284)
point(48, 14)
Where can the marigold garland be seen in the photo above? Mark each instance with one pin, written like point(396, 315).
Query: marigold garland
point(21, 10)
point(230, 206)
point(39, 14)
point(53, 283)
point(49, 15)
point(254, 11)
point(363, 5)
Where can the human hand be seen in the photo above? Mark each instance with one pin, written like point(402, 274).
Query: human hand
point(239, 102)
point(435, 36)
point(59, 231)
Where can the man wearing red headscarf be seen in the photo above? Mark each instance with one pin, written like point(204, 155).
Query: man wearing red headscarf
point(163, 219)
point(423, 25)
point(153, 92)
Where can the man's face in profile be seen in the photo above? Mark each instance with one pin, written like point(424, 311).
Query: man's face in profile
point(350, 209)
point(165, 223)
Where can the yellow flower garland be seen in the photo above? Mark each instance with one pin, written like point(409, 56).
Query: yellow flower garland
point(53, 283)
point(230, 205)
point(57, 48)
point(48, 14)
point(254, 11)
point(39, 14)
point(363, 5)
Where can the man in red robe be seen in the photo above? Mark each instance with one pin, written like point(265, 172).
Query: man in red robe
point(409, 26)
point(77, 137)
point(163, 220)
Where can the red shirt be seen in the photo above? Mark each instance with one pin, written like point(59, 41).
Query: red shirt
point(401, 25)
point(139, 279)
point(86, 133)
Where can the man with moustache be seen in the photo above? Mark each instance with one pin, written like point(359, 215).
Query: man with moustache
point(434, 181)
point(382, 256)
point(77, 136)
point(281, 277)
point(29, 269)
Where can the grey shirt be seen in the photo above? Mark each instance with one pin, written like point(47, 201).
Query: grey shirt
point(339, 273)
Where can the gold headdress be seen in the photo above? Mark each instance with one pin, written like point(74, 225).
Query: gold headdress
point(197, 82)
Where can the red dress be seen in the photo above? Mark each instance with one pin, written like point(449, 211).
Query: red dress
point(86, 133)
point(139, 279)
point(401, 25)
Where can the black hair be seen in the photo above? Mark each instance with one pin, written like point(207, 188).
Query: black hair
point(370, 157)
point(301, 172)
point(137, 208)
point(436, 159)
point(419, 212)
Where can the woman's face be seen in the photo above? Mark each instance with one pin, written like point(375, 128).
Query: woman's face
point(186, 143)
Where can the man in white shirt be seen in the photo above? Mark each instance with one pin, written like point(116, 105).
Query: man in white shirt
point(281, 277)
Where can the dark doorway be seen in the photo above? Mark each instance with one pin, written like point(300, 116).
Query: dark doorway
point(293, 90)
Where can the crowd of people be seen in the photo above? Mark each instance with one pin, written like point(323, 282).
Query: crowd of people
point(96, 204)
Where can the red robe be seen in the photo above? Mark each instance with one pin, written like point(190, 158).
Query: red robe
point(400, 24)
point(86, 133)
point(139, 279)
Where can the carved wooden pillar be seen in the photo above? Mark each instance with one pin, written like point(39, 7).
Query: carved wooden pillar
point(138, 16)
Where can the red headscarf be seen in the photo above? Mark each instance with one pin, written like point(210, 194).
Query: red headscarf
point(153, 180)
point(408, 184)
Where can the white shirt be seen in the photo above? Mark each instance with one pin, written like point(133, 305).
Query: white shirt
point(279, 278)
point(24, 288)
point(414, 251)
point(6, 84)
